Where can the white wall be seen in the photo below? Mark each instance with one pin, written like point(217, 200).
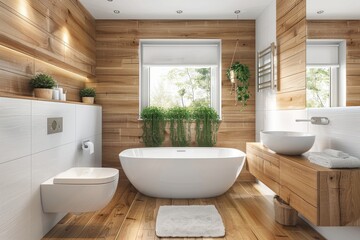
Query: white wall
point(342, 133)
point(29, 157)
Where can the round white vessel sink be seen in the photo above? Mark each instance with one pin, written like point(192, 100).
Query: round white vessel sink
point(288, 143)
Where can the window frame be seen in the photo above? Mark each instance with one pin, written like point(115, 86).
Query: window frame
point(337, 70)
point(216, 72)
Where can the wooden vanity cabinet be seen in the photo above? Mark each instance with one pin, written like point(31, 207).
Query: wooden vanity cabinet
point(326, 197)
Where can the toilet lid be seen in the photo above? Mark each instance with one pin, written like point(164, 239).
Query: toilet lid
point(87, 176)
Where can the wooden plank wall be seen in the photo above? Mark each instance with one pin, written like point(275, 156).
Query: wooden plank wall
point(117, 73)
point(350, 31)
point(47, 36)
point(291, 46)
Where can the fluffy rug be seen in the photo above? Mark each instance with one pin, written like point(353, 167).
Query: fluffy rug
point(189, 221)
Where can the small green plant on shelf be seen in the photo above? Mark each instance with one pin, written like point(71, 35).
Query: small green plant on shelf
point(153, 126)
point(206, 126)
point(87, 95)
point(241, 73)
point(42, 85)
point(87, 92)
point(42, 80)
point(180, 121)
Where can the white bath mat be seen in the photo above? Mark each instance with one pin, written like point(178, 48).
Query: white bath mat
point(189, 221)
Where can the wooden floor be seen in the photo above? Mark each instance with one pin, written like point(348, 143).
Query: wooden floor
point(247, 212)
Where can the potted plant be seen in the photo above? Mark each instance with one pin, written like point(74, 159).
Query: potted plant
point(206, 126)
point(87, 95)
point(153, 126)
point(43, 84)
point(180, 121)
point(241, 73)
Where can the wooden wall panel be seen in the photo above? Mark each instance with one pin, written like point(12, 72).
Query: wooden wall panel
point(54, 37)
point(117, 73)
point(350, 31)
point(291, 44)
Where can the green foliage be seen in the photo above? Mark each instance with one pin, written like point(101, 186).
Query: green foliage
point(87, 92)
point(242, 74)
point(153, 126)
point(206, 126)
point(318, 87)
point(42, 80)
point(179, 119)
point(181, 86)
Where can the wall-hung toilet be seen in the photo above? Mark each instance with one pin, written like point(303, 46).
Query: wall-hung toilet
point(79, 190)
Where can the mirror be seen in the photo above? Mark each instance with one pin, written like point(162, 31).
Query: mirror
point(333, 53)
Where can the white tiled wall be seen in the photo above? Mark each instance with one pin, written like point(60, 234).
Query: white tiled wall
point(15, 199)
point(42, 110)
point(343, 132)
point(15, 128)
point(29, 157)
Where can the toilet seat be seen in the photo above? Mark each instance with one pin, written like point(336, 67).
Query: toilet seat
point(86, 175)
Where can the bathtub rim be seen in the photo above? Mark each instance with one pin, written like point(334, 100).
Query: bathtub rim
point(240, 153)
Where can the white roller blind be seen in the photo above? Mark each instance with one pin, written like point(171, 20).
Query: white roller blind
point(183, 54)
point(322, 54)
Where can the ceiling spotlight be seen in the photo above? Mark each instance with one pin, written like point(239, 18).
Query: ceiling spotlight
point(116, 11)
point(237, 11)
point(320, 12)
point(179, 11)
point(109, 0)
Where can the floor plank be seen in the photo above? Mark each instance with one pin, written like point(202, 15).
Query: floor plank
point(246, 209)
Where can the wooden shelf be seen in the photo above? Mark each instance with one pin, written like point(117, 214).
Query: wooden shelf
point(326, 197)
point(45, 100)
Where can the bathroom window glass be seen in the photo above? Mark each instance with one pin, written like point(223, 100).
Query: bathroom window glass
point(318, 87)
point(325, 73)
point(180, 73)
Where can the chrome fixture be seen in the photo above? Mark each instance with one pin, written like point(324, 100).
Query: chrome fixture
point(315, 120)
point(320, 12)
point(179, 11)
point(266, 68)
point(116, 11)
point(54, 125)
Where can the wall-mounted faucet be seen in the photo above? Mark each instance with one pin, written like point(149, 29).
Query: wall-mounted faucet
point(315, 120)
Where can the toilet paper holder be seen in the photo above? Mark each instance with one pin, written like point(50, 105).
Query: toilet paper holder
point(83, 143)
point(88, 146)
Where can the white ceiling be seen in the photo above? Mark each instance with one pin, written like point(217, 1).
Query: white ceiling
point(166, 9)
point(333, 9)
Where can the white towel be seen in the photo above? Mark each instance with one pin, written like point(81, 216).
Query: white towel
point(326, 160)
point(336, 153)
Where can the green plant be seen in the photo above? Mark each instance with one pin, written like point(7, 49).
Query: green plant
point(42, 80)
point(206, 126)
point(242, 75)
point(87, 92)
point(153, 126)
point(179, 119)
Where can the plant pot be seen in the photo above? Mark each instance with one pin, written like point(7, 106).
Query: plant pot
point(88, 100)
point(45, 93)
point(232, 76)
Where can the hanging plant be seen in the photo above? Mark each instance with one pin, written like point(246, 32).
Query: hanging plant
point(206, 126)
point(179, 119)
point(153, 126)
point(241, 73)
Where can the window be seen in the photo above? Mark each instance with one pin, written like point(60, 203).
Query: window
point(180, 73)
point(325, 60)
point(318, 86)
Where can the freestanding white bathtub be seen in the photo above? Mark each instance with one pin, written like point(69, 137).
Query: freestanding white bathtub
point(193, 172)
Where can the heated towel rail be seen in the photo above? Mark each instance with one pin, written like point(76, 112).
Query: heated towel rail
point(266, 68)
